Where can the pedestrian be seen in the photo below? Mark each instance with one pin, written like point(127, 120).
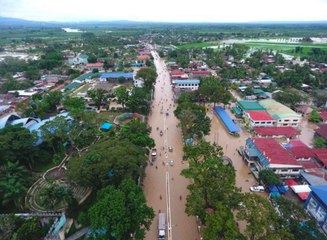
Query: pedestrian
point(156, 167)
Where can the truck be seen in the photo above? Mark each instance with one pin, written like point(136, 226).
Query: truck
point(153, 154)
point(161, 226)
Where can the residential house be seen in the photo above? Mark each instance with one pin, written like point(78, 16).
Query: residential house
point(276, 132)
point(323, 116)
point(177, 74)
point(91, 66)
point(200, 73)
point(79, 59)
point(142, 59)
point(138, 82)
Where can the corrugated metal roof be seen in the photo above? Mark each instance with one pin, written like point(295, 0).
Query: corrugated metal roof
point(278, 110)
point(229, 124)
point(250, 105)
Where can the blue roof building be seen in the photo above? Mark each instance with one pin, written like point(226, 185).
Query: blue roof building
point(228, 122)
point(116, 75)
point(316, 204)
point(106, 126)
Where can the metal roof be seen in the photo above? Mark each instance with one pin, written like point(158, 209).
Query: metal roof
point(250, 105)
point(229, 124)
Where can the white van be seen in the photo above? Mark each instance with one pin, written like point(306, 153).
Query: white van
point(256, 188)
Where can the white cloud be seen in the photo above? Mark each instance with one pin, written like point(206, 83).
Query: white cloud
point(168, 10)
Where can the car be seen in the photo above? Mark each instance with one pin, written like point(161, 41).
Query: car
point(170, 148)
point(171, 162)
point(257, 188)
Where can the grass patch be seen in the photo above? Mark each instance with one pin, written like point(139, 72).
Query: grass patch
point(197, 45)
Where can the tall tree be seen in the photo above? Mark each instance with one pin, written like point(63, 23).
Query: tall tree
point(14, 182)
point(121, 213)
point(149, 76)
point(98, 96)
point(54, 194)
point(74, 105)
point(221, 225)
point(16, 144)
point(96, 168)
point(268, 177)
point(122, 94)
point(260, 216)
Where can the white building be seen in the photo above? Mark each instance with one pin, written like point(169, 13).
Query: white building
point(188, 84)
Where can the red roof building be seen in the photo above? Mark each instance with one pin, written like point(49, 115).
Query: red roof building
point(258, 118)
point(301, 151)
point(321, 155)
point(177, 74)
point(91, 66)
point(323, 116)
point(274, 152)
point(278, 132)
point(196, 73)
point(142, 58)
point(322, 130)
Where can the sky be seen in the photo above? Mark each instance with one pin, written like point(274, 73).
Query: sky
point(166, 10)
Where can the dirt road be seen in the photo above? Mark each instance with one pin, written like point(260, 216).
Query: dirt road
point(164, 187)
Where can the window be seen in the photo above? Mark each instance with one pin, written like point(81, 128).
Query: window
point(268, 122)
point(294, 124)
point(295, 120)
point(285, 124)
point(286, 120)
point(256, 122)
point(263, 122)
point(284, 170)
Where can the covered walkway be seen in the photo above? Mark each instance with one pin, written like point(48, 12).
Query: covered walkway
point(228, 122)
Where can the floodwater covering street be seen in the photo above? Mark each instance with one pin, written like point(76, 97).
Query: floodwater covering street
point(229, 143)
point(164, 187)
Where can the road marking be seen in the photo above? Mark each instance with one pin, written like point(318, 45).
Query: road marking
point(169, 229)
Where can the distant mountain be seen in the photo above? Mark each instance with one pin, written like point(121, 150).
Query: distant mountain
point(16, 22)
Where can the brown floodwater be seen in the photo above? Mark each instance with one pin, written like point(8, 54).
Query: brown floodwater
point(155, 182)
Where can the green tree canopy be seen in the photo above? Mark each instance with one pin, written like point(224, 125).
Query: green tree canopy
point(268, 177)
point(99, 96)
point(74, 105)
point(314, 116)
point(107, 162)
point(122, 94)
point(137, 132)
point(121, 212)
point(149, 75)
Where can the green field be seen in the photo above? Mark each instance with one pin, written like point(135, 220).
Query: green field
point(197, 45)
point(287, 48)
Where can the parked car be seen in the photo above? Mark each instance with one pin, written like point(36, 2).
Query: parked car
point(257, 188)
point(171, 162)
point(170, 148)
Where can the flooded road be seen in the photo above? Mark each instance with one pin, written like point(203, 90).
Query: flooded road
point(164, 187)
point(229, 143)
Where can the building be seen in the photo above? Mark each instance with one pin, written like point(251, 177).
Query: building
point(188, 84)
point(79, 59)
point(142, 59)
point(200, 73)
point(322, 131)
point(258, 119)
point(276, 132)
point(91, 66)
point(283, 115)
point(177, 74)
point(116, 76)
point(138, 82)
point(323, 116)
point(249, 106)
point(267, 153)
point(316, 205)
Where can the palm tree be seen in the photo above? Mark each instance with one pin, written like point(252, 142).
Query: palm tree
point(14, 182)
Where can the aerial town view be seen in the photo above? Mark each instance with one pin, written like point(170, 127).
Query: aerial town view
point(163, 120)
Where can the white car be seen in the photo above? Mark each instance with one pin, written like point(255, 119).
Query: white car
point(256, 188)
point(171, 162)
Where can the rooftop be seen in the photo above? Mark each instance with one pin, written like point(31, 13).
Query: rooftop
point(186, 81)
point(278, 110)
point(276, 131)
point(117, 75)
point(321, 192)
point(323, 115)
point(274, 152)
point(250, 105)
point(322, 130)
point(259, 115)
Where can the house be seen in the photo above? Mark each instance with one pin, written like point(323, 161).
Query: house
point(142, 59)
point(323, 116)
point(322, 130)
point(276, 132)
point(200, 73)
point(177, 74)
point(258, 118)
point(281, 113)
point(138, 82)
point(188, 84)
point(316, 205)
point(79, 59)
point(267, 153)
point(91, 66)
